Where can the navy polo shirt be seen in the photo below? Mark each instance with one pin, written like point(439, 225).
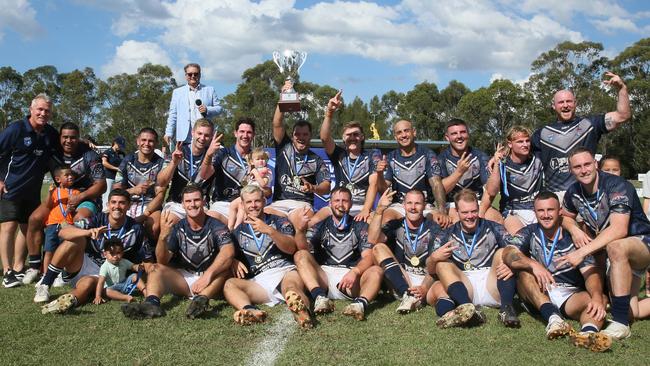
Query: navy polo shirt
point(24, 158)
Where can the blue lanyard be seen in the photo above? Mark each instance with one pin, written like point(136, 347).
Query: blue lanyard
point(295, 164)
point(191, 169)
point(591, 210)
point(351, 168)
point(259, 242)
point(119, 233)
point(470, 249)
point(504, 178)
point(239, 158)
point(343, 224)
point(413, 243)
point(548, 255)
point(58, 198)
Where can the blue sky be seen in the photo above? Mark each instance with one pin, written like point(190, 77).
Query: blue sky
point(365, 48)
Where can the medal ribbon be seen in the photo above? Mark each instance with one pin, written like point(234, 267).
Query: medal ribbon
point(58, 198)
point(352, 168)
point(295, 164)
point(259, 241)
point(470, 249)
point(413, 243)
point(193, 173)
point(119, 233)
point(592, 211)
point(548, 255)
point(343, 223)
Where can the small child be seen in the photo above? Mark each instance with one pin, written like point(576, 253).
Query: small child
point(113, 282)
point(60, 213)
point(610, 164)
point(260, 175)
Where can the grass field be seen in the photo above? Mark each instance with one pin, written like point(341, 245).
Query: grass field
point(100, 335)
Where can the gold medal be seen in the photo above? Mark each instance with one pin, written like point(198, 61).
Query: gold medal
point(258, 259)
point(296, 181)
point(350, 187)
point(415, 261)
point(468, 266)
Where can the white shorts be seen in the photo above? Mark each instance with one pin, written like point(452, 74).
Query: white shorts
point(527, 217)
point(560, 197)
point(88, 268)
point(334, 276)
point(222, 207)
point(478, 278)
point(175, 208)
point(428, 208)
point(190, 277)
point(560, 293)
point(287, 206)
point(270, 281)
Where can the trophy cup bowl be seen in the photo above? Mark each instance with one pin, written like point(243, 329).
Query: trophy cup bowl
point(289, 62)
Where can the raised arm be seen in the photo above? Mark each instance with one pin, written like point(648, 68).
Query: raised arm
point(326, 127)
point(623, 111)
point(278, 118)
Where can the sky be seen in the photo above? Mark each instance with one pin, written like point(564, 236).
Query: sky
point(365, 48)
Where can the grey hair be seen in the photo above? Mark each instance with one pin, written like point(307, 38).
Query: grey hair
point(42, 96)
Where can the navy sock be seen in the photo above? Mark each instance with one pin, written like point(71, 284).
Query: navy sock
point(458, 292)
point(35, 262)
point(363, 302)
point(394, 275)
point(251, 307)
point(547, 309)
point(620, 309)
point(444, 305)
point(588, 327)
point(153, 300)
point(317, 291)
point(51, 274)
point(506, 291)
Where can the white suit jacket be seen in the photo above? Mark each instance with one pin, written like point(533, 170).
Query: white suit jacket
point(179, 120)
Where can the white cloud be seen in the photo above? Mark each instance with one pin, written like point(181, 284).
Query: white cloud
point(614, 24)
point(20, 17)
point(130, 55)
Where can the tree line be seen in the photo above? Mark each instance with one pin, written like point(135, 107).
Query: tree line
point(122, 104)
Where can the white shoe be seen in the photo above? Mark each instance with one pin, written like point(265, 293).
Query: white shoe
point(409, 303)
point(58, 281)
point(557, 327)
point(31, 275)
point(617, 330)
point(42, 294)
point(355, 310)
point(323, 305)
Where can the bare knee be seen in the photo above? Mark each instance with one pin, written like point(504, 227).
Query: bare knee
point(380, 251)
point(616, 251)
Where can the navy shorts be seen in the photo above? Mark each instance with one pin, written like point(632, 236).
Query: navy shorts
point(17, 210)
point(52, 240)
point(123, 286)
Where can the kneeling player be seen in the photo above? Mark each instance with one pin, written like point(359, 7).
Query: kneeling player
point(194, 258)
point(409, 242)
point(266, 243)
point(343, 264)
point(577, 293)
point(468, 262)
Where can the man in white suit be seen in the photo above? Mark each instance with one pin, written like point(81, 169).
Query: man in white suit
point(189, 103)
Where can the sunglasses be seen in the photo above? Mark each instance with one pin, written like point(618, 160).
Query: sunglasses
point(190, 74)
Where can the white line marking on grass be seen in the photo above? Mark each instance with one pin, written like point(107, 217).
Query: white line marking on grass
point(268, 350)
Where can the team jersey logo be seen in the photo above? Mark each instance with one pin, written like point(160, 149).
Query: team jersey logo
point(27, 141)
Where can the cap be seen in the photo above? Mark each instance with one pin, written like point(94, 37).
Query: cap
point(120, 141)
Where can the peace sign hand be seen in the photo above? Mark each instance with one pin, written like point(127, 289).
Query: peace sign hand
point(215, 145)
point(177, 154)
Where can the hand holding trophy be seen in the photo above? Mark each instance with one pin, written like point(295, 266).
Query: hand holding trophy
point(289, 62)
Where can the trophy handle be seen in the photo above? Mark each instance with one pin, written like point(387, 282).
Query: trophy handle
point(276, 59)
point(301, 60)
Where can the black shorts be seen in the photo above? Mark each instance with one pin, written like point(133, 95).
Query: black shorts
point(18, 210)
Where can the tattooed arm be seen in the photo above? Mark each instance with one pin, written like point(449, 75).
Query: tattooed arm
point(623, 111)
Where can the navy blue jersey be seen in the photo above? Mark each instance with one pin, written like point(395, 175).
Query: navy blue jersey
point(356, 171)
point(115, 159)
point(24, 158)
point(136, 244)
point(334, 246)
point(412, 172)
point(529, 241)
point(87, 168)
point(230, 170)
point(489, 237)
point(188, 171)
point(133, 172)
point(522, 182)
point(552, 144)
point(290, 164)
point(418, 243)
point(267, 255)
point(614, 195)
point(474, 178)
point(195, 251)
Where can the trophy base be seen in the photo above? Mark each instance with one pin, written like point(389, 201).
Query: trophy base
point(289, 102)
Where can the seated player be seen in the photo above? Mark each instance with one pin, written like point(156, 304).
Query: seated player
point(194, 257)
point(401, 247)
point(113, 282)
point(467, 260)
point(342, 267)
point(519, 177)
point(612, 213)
point(576, 293)
point(266, 245)
point(81, 252)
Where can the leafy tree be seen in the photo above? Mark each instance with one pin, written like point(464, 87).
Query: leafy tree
point(422, 107)
point(78, 98)
point(11, 82)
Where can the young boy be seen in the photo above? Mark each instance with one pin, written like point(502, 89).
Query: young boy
point(610, 164)
point(60, 213)
point(113, 282)
point(260, 175)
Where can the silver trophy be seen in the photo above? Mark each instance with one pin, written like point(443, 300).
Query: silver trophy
point(289, 62)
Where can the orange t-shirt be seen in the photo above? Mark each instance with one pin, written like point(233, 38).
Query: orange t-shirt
point(56, 216)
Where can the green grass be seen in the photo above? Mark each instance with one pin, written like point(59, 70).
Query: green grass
point(100, 335)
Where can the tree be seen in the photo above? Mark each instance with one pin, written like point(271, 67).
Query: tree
point(390, 103)
point(422, 107)
point(449, 99)
point(79, 98)
point(11, 82)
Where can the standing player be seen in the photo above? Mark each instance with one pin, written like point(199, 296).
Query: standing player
point(342, 265)
point(26, 146)
point(467, 259)
point(553, 142)
point(354, 166)
point(519, 177)
point(612, 213)
point(194, 257)
point(464, 167)
point(266, 244)
point(401, 247)
point(576, 293)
